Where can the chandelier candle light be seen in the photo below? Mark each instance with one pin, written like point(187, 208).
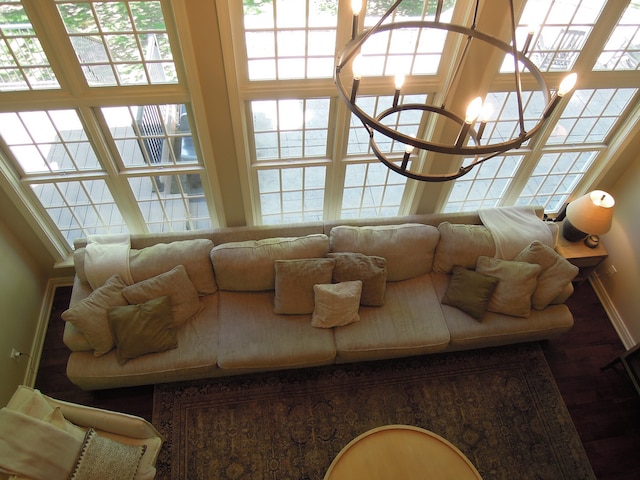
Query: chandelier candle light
point(468, 141)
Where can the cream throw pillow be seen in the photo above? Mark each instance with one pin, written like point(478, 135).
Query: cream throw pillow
point(556, 272)
point(90, 315)
point(517, 281)
point(336, 304)
point(462, 244)
point(295, 280)
point(185, 301)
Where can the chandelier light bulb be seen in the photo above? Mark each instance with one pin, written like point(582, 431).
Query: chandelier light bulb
point(473, 110)
point(567, 84)
point(399, 80)
point(356, 7)
point(356, 67)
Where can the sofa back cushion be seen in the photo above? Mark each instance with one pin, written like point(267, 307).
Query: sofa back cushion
point(156, 259)
point(249, 266)
point(462, 244)
point(408, 248)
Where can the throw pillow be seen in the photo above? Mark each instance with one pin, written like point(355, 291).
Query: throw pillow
point(470, 291)
point(185, 301)
point(517, 282)
point(295, 280)
point(90, 315)
point(336, 304)
point(462, 244)
point(371, 270)
point(556, 272)
point(142, 329)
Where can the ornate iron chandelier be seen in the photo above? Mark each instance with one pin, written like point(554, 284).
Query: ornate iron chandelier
point(469, 142)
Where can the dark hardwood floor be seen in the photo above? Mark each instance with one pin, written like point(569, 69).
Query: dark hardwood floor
point(603, 404)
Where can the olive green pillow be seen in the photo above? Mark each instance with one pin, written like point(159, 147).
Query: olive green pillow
point(470, 291)
point(141, 329)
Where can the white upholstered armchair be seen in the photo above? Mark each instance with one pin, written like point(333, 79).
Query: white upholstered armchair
point(44, 438)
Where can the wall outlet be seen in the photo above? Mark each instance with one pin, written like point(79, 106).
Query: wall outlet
point(14, 354)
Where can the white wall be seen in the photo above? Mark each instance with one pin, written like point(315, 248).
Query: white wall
point(22, 290)
point(621, 291)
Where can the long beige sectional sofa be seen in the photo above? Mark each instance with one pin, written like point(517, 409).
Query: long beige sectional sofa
point(229, 327)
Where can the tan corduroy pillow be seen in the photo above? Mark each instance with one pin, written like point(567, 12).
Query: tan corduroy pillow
point(90, 315)
point(556, 273)
point(185, 301)
point(517, 282)
point(336, 304)
point(295, 280)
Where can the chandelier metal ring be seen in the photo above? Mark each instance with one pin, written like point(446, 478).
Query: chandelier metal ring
point(480, 152)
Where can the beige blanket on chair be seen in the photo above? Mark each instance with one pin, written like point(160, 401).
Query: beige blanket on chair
point(35, 449)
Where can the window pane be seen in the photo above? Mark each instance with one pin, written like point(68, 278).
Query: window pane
point(120, 43)
point(48, 141)
point(150, 135)
point(23, 63)
point(561, 33)
point(172, 203)
point(371, 190)
point(485, 185)
point(294, 39)
point(590, 115)
point(290, 129)
point(622, 51)
point(554, 178)
point(80, 208)
point(289, 195)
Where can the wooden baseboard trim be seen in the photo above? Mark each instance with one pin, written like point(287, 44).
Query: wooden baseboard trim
point(612, 312)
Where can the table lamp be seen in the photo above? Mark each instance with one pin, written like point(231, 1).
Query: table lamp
point(587, 216)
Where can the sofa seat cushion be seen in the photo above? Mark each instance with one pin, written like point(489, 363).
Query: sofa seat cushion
point(253, 337)
point(498, 329)
point(409, 323)
point(195, 357)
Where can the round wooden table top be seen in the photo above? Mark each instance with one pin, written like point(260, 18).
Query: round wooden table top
point(401, 451)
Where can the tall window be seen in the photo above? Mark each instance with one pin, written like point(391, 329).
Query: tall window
point(280, 69)
point(100, 163)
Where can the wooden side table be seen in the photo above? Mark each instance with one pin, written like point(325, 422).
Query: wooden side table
point(583, 257)
point(403, 452)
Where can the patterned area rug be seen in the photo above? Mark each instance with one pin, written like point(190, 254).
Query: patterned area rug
point(500, 407)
